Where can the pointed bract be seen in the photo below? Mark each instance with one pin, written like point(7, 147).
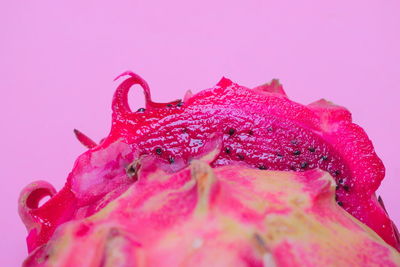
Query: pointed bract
point(274, 87)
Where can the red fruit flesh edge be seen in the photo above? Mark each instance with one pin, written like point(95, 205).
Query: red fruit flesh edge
point(260, 127)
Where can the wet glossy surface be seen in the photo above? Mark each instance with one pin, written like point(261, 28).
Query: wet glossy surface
point(258, 127)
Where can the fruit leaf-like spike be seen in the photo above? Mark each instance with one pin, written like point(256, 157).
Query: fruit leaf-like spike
point(380, 200)
point(318, 183)
point(330, 114)
point(84, 140)
point(188, 95)
point(396, 231)
point(29, 200)
point(120, 105)
point(211, 149)
point(204, 176)
point(224, 82)
point(273, 87)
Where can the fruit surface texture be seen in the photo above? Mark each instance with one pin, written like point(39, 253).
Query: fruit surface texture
point(227, 176)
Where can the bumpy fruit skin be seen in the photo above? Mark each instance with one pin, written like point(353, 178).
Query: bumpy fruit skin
point(227, 216)
point(259, 128)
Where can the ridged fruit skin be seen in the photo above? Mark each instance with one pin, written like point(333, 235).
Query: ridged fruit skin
point(259, 128)
point(227, 216)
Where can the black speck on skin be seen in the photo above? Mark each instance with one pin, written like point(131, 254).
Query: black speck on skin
point(340, 203)
point(346, 188)
point(336, 173)
point(227, 150)
point(324, 158)
point(141, 110)
point(279, 155)
point(158, 151)
point(296, 152)
point(180, 104)
point(340, 181)
point(171, 160)
point(304, 165)
point(261, 167)
point(231, 131)
point(169, 105)
point(294, 142)
point(131, 170)
point(311, 149)
point(270, 129)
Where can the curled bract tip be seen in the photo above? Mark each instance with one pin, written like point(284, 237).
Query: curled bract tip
point(30, 198)
point(272, 87)
point(120, 104)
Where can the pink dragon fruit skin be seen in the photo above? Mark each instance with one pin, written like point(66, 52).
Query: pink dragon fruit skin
point(227, 216)
point(258, 128)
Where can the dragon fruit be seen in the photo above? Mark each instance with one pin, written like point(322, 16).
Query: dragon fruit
point(262, 191)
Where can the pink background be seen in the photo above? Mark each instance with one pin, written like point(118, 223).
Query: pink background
point(58, 61)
